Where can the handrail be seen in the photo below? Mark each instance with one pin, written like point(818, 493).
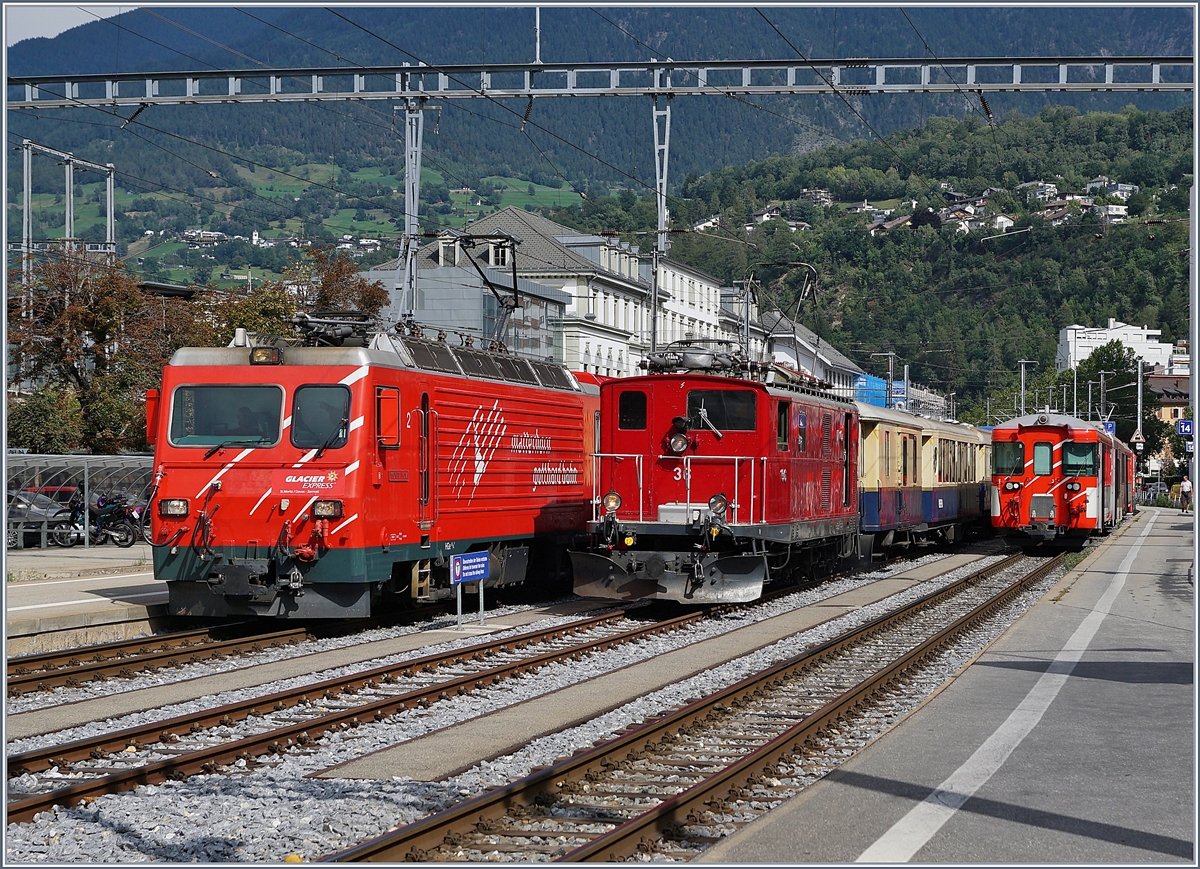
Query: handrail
point(596, 467)
point(737, 460)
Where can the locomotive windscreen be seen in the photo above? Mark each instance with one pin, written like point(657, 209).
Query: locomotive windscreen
point(726, 409)
point(1008, 457)
point(205, 415)
point(1079, 460)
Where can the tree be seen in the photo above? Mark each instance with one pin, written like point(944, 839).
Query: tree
point(48, 421)
point(337, 285)
point(86, 326)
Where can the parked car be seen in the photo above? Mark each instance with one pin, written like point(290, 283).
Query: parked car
point(61, 494)
point(32, 507)
point(1156, 489)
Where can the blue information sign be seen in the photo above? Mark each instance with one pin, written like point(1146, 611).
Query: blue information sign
point(1110, 427)
point(469, 567)
point(1183, 428)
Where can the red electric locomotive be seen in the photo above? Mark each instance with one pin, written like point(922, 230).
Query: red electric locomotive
point(1057, 480)
point(707, 485)
point(331, 481)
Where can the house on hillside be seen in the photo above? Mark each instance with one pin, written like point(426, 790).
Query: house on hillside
point(881, 226)
point(1111, 213)
point(1038, 191)
point(1102, 186)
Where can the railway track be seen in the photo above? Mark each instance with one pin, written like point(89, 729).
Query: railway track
point(126, 658)
point(667, 789)
point(214, 740)
point(70, 668)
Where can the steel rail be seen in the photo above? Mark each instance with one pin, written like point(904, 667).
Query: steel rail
point(129, 658)
point(410, 842)
point(276, 740)
point(630, 838)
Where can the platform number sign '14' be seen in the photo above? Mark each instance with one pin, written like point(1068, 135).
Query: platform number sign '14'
point(470, 567)
point(1183, 427)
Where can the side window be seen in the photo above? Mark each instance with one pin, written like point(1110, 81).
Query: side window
point(782, 414)
point(320, 417)
point(631, 410)
point(1043, 454)
point(387, 417)
point(801, 431)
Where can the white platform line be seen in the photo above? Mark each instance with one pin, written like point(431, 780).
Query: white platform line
point(40, 583)
point(42, 606)
point(914, 830)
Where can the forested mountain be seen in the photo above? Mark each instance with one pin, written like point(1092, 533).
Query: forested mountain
point(585, 142)
point(960, 308)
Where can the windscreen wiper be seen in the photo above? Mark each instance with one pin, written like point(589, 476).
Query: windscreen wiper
point(334, 436)
point(257, 442)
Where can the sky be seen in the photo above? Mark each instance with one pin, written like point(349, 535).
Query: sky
point(23, 21)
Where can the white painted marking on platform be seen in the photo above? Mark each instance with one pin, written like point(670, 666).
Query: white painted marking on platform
point(40, 583)
point(912, 832)
point(40, 606)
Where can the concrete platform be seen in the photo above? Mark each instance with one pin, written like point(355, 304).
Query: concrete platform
point(51, 614)
point(56, 598)
point(1072, 739)
point(56, 562)
point(445, 752)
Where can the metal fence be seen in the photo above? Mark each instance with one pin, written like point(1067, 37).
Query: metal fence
point(60, 476)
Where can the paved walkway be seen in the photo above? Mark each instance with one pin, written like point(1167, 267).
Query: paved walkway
point(1072, 739)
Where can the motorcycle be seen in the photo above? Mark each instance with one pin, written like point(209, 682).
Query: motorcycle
point(107, 520)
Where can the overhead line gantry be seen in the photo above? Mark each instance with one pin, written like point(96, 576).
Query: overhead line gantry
point(416, 84)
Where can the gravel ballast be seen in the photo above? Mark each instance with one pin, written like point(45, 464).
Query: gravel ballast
point(271, 812)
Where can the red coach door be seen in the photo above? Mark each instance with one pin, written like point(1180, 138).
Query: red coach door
point(427, 466)
point(779, 466)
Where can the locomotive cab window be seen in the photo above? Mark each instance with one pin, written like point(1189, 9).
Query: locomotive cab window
point(631, 410)
point(801, 431)
point(203, 416)
point(1008, 458)
point(721, 409)
point(321, 417)
point(1043, 458)
point(1079, 460)
point(783, 413)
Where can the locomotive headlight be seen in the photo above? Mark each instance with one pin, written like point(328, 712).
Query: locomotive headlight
point(1012, 486)
point(327, 509)
point(612, 502)
point(678, 443)
point(174, 507)
point(266, 356)
point(1073, 487)
point(718, 504)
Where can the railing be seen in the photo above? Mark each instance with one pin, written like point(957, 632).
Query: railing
point(596, 467)
point(48, 474)
point(736, 502)
point(20, 526)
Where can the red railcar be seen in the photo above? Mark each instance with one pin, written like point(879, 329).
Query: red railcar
point(1059, 480)
point(328, 481)
point(708, 485)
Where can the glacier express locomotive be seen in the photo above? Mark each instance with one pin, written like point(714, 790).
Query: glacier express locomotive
point(1058, 480)
point(337, 477)
point(707, 483)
